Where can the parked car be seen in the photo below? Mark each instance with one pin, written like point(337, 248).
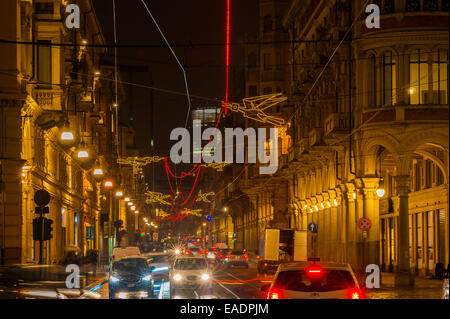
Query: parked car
point(130, 278)
point(307, 280)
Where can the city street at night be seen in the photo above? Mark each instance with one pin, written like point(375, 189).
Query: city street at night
point(225, 157)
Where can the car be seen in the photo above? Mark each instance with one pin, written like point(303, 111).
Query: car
point(120, 252)
point(159, 264)
point(222, 255)
point(190, 272)
point(211, 257)
point(130, 277)
point(311, 280)
point(237, 258)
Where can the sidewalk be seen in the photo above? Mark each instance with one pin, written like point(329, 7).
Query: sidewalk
point(423, 289)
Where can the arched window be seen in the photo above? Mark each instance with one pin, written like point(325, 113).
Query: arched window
point(267, 23)
point(389, 79)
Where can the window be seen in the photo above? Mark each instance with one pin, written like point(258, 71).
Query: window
point(267, 62)
point(389, 79)
point(252, 60)
point(418, 77)
point(430, 5)
point(412, 5)
point(389, 6)
point(43, 8)
point(372, 79)
point(267, 24)
point(44, 65)
point(267, 90)
point(252, 90)
point(440, 73)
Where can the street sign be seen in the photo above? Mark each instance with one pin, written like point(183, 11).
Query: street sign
point(42, 197)
point(312, 227)
point(364, 224)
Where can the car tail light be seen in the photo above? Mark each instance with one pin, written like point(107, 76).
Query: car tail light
point(355, 294)
point(244, 256)
point(188, 252)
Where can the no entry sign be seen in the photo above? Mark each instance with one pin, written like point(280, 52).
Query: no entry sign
point(365, 223)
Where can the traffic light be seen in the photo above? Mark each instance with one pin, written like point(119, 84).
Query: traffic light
point(37, 228)
point(48, 229)
point(208, 218)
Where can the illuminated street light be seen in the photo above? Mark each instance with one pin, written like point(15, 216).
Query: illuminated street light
point(136, 212)
point(328, 204)
point(133, 207)
point(119, 194)
point(335, 202)
point(130, 204)
point(354, 195)
point(83, 154)
point(67, 136)
point(204, 224)
point(127, 199)
point(316, 208)
point(225, 209)
point(98, 171)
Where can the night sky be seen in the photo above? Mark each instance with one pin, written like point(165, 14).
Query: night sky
point(183, 22)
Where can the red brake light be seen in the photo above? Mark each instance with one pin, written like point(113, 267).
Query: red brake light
point(355, 294)
point(274, 294)
point(314, 271)
point(244, 256)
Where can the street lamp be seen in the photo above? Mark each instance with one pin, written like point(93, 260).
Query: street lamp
point(130, 204)
point(119, 194)
point(133, 208)
point(127, 199)
point(108, 184)
point(136, 212)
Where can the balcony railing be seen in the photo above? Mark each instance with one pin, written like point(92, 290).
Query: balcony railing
point(48, 99)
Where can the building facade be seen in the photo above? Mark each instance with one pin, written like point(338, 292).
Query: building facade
point(58, 127)
point(366, 135)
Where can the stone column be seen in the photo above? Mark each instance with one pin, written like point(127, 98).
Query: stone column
point(333, 256)
point(371, 211)
point(359, 211)
point(404, 276)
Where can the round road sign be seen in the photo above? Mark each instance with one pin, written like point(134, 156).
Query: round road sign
point(42, 197)
point(312, 227)
point(365, 223)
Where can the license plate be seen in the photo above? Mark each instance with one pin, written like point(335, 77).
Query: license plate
point(130, 285)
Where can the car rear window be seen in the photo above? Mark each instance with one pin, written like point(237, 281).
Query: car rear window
point(331, 280)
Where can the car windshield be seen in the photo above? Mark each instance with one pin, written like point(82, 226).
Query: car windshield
point(133, 265)
point(190, 264)
point(158, 259)
point(298, 280)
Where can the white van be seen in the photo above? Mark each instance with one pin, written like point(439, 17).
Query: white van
point(121, 252)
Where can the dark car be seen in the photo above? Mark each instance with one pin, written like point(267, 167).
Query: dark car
point(130, 278)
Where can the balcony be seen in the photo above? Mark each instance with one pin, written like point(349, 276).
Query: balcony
point(48, 99)
point(336, 123)
point(406, 113)
point(315, 136)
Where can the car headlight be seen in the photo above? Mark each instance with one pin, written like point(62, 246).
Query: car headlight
point(177, 251)
point(205, 277)
point(114, 279)
point(147, 278)
point(177, 277)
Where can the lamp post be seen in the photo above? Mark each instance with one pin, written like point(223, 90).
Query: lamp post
point(108, 184)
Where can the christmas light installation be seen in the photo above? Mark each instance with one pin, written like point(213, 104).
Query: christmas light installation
point(139, 162)
point(254, 108)
point(203, 197)
point(155, 197)
point(227, 57)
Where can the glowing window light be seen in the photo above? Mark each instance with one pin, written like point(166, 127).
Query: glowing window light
point(83, 154)
point(380, 192)
point(67, 136)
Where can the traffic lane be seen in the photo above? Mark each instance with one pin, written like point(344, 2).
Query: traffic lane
point(242, 283)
